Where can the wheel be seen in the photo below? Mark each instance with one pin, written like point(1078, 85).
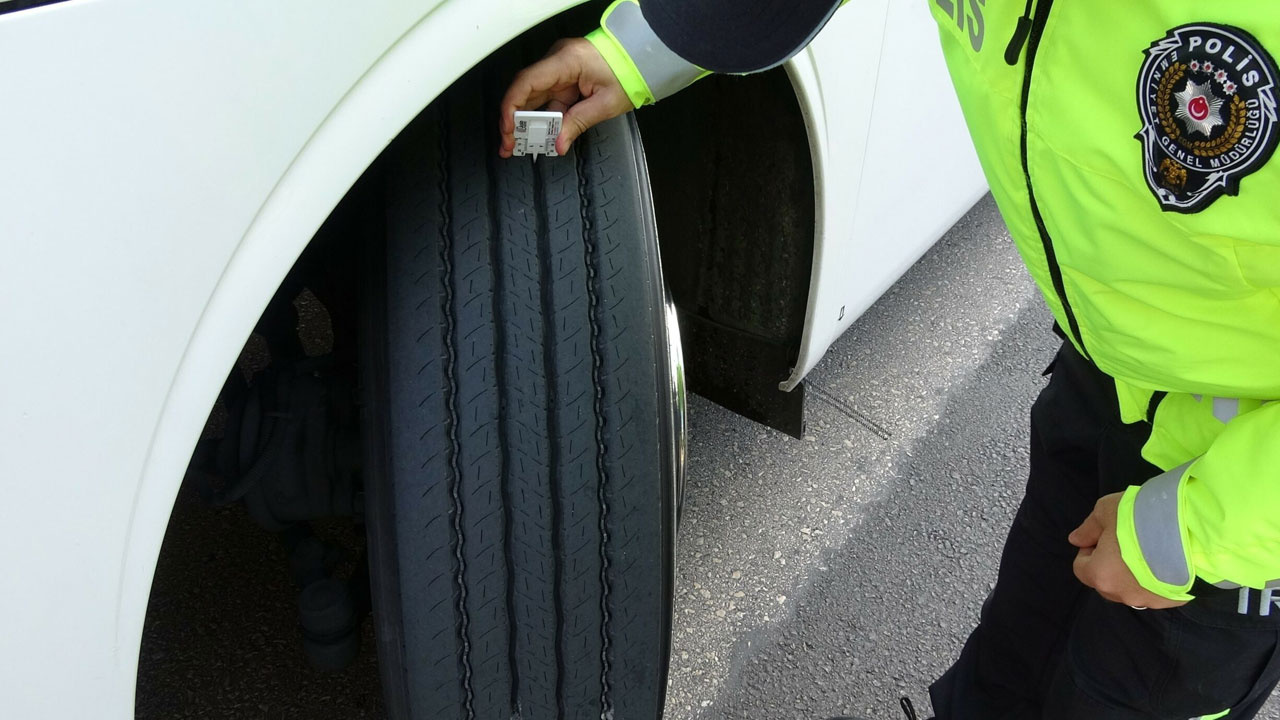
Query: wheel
point(524, 426)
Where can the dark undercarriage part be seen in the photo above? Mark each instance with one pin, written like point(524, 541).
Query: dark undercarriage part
point(290, 452)
point(731, 372)
point(733, 191)
point(284, 441)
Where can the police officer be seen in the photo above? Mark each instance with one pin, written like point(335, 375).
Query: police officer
point(1127, 145)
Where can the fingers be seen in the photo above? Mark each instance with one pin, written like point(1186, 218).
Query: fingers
point(581, 118)
point(1096, 575)
point(573, 79)
point(1087, 534)
point(1100, 520)
point(1083, 569)
point(1106, 574)
point(532, 88)
point(604, 104)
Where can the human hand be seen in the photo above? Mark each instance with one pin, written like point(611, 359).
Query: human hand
point(1099, 565)
point(573, 79)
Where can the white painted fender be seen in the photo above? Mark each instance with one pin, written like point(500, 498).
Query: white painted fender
point(162, 165)
point(893, 162)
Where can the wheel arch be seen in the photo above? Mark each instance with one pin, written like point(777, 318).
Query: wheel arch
point(394, 90)
point(406, 78)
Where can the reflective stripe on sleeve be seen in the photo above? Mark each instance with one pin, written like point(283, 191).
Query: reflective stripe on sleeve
point(664, 72)
point(1159, 528)
point(628, 76)
point(1225, 409)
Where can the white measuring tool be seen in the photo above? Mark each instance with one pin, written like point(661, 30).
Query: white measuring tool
point(536, 133)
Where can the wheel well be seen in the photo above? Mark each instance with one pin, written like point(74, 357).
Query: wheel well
point(733, 186)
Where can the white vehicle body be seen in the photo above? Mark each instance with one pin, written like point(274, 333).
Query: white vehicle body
point(162, 165)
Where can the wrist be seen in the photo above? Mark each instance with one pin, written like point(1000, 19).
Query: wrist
point(648, 70)
point(623, 68)
point(1152, 537)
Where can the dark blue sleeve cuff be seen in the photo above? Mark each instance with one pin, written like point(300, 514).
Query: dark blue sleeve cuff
point(737, 36)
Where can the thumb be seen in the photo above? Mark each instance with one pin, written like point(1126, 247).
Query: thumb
point(591, 111)
point(1082, 566)
point(1088, 533)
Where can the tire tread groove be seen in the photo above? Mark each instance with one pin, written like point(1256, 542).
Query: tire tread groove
point(521, 382)
point(553, 426)
point(593, 320)
point(451, 390)
point(498, 267)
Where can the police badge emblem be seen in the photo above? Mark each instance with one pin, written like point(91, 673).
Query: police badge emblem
point(1206, 94)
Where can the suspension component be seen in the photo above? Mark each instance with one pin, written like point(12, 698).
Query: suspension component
point(290, 450)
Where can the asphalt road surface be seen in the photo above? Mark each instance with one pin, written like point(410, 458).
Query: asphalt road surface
point(816, 577)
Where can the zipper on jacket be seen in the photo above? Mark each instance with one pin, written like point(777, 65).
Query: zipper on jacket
point(1035, 31)
point(1020, 33)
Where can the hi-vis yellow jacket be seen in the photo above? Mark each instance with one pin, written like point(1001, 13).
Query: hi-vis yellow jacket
point(1128, 146)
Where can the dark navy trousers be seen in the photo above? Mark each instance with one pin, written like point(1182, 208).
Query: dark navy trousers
point(1049, 648)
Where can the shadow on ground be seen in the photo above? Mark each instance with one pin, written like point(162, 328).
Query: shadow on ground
point(888, 609)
